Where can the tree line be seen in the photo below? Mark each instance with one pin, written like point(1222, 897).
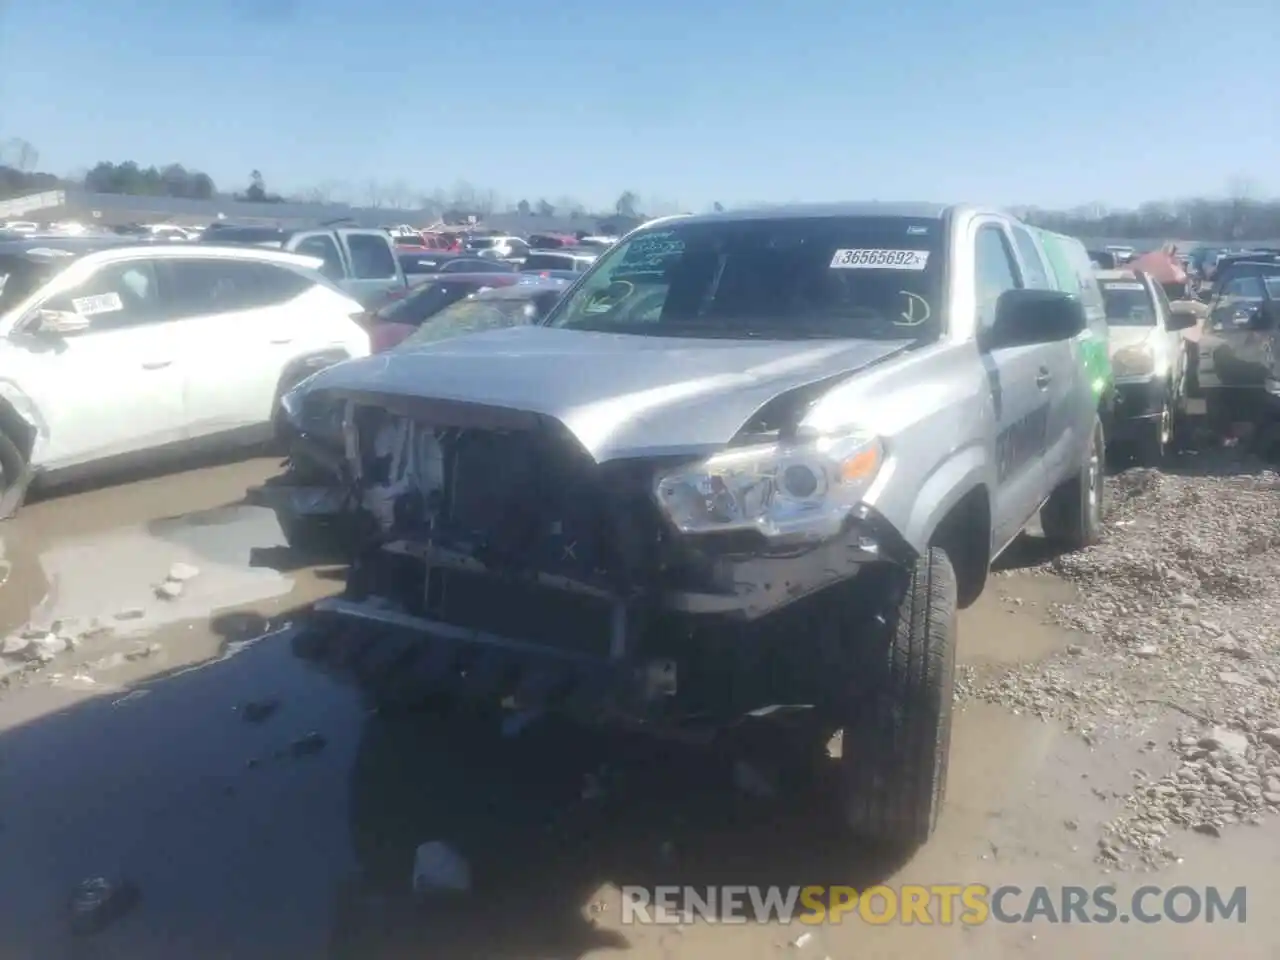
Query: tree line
point(1240, 217)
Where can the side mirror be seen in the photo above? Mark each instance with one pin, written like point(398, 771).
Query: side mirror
point(1181, 318)
point(1036, 316)
point(60, 322)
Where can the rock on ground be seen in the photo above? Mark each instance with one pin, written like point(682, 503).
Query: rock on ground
point(1182, 599)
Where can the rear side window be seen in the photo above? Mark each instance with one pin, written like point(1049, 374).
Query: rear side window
point(1034, 272)
point(324, 248)
point(204, 287)
point(371, 257)
point(279, 284)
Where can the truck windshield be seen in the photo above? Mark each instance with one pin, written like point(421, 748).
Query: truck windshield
point(1129, 304)
point(770, 278)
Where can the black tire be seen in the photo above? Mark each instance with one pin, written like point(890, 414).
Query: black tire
point(1156, 435)
point(1193, 369)
point(894, 755)
point(12, 466)
point(1073, 514)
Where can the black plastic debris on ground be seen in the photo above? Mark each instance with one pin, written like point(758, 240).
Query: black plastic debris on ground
point(98, 902)
point(256, 711)
point(312, 743)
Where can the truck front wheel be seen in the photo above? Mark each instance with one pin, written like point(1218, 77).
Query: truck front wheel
point(893, 763)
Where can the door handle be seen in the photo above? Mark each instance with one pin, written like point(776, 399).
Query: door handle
point(282, 340)
point(156, 364)
point(1043, 378)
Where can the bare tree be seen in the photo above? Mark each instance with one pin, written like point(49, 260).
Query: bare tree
point(1241, 192)
point(374, 195)
point(399, 195)
point(317, 194)
point(464, 197)
point(569, 207)
point(25, 156)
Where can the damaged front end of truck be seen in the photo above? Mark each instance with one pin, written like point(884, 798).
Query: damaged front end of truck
point(499, 562)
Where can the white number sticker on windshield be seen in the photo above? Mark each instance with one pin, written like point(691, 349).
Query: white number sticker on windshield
point(102, 303)
point(880, 260)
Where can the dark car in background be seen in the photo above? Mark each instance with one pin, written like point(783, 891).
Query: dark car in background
point(569, 259)
point(398, 318)
point(304, 492)
point(420, 265)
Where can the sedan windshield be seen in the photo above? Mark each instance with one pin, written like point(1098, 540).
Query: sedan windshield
point(425, 301)
point(473, 315)
point(772, 278)
point(1129, 304)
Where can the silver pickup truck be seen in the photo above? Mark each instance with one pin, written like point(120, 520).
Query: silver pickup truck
point(361, 262)
point(749, 466)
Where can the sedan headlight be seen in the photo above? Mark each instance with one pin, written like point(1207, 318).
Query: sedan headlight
point(1141, 360)
point(804, 490)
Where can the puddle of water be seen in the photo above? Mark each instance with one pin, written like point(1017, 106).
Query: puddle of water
point(104, 574)
point(1008, 623)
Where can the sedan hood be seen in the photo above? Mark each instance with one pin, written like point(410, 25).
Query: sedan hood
point(620, 396)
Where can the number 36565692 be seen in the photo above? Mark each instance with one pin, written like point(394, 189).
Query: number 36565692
point(909, 259)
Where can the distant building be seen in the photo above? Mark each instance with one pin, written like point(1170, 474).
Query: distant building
point(110, 210)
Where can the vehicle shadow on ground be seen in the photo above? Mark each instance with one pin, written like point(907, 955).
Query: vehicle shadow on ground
point(541, 850)
point(159, 464)
point(241, 837)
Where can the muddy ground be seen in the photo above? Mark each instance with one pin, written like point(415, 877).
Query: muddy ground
point(290, 830)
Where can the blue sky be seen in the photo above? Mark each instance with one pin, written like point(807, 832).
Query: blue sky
point(1001, 101)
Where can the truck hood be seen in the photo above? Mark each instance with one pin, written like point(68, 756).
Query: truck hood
point(621, 396)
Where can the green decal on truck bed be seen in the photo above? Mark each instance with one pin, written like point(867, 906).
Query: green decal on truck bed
point(1073, 273)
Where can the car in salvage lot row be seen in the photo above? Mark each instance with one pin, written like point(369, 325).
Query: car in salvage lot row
point(750, 464)
point(1244, 338)
point(429, 302)
point(1150, 361)
point(114, 352)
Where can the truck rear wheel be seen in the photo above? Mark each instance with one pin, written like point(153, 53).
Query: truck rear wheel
point(1073, 513)
point(894, 753)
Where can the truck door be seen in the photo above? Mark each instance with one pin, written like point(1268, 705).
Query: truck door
point(325, 247)
point(1019, 391)
point(375, 269)
point(1070, 414)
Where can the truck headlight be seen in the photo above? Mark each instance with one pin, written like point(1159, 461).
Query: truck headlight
point(803, 490)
